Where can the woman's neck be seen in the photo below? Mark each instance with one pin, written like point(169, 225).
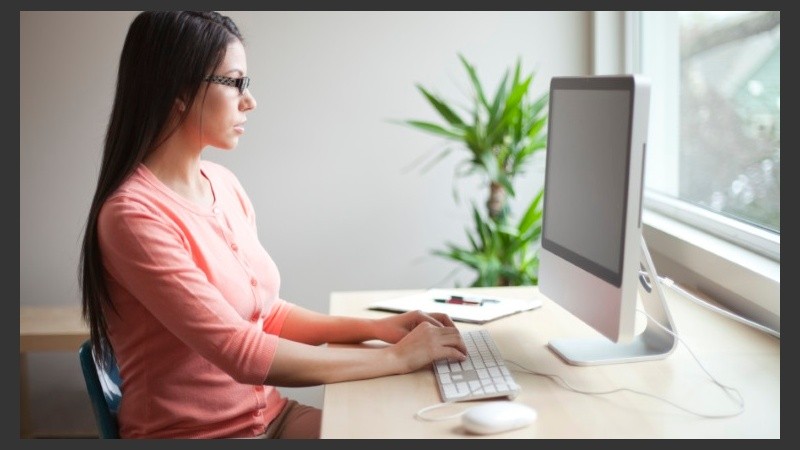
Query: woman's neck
point(180, 170)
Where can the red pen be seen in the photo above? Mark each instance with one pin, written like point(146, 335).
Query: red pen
point(466, 300)
point(454, 300)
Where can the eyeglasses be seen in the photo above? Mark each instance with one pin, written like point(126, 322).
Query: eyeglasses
point(238, 83)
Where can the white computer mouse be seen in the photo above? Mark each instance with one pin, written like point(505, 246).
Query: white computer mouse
point(497, 417)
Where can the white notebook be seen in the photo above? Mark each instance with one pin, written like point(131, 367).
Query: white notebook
point(479, 309)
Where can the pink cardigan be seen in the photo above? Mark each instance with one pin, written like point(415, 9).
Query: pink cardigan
point(198, 312)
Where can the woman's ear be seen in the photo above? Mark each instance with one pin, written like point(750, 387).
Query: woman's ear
point(180, 105)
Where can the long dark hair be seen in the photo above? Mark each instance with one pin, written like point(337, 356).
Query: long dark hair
point(166, 56)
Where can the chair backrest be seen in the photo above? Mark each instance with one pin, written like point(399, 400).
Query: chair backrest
point(104, 391)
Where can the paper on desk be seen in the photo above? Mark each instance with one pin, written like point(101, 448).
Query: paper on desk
point(486, 312)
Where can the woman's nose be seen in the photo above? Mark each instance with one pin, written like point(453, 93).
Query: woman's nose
point(248, 101)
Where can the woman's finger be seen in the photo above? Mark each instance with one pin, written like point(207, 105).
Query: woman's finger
point(444, 319)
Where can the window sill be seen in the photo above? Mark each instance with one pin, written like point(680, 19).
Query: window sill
point(740, 280)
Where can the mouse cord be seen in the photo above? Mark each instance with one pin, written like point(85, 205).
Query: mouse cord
point(419, 414)
point(731, 392)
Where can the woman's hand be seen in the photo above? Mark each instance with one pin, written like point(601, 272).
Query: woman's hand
point(426, 343)
point(393, 328)
point(420, 338)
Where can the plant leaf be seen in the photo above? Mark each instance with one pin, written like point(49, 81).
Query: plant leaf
point(441, 107)
point(489, 162)
point(540, 104)
point(442, 154)
point(494, 113)
point(505, 181)
point(473, 76)
point(533, 214)
point(435, 129)
point(518, 90)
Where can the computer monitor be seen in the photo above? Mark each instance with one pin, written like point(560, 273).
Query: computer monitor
point(593, 259)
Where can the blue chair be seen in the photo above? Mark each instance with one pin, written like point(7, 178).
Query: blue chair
point(104, 391)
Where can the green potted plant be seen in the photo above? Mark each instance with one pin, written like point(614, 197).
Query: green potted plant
point(499, 135)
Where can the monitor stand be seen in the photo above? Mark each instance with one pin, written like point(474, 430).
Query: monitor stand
point(652, 343)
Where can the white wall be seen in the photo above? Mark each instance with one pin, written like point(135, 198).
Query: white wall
point(321, 161)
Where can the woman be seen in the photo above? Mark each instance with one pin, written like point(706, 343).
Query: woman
point(175, 283)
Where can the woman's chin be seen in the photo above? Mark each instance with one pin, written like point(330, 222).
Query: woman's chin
point(227, 146)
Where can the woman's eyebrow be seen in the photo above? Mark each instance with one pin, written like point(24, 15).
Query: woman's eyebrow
point(239, 71)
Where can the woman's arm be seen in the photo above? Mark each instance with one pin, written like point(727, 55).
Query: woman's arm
point(309, 327)
point(297, 364)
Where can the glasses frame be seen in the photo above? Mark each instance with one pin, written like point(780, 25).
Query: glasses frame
point(239, 83)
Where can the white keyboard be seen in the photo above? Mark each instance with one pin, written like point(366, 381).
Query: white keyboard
point(482, 375)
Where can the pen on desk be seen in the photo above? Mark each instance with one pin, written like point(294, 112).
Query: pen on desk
point(475, 300)
point(458, 301)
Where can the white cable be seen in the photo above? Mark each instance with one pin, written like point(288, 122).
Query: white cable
point(729, 391)
point(566, 384)
point(671, 284)
point(419, 414)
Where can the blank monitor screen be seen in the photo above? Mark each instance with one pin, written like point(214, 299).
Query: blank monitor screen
point(585, 199)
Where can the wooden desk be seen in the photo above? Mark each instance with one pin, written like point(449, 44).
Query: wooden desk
point(737, 355)
point(45, 329)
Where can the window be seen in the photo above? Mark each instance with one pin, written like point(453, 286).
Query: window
point(714, 147)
